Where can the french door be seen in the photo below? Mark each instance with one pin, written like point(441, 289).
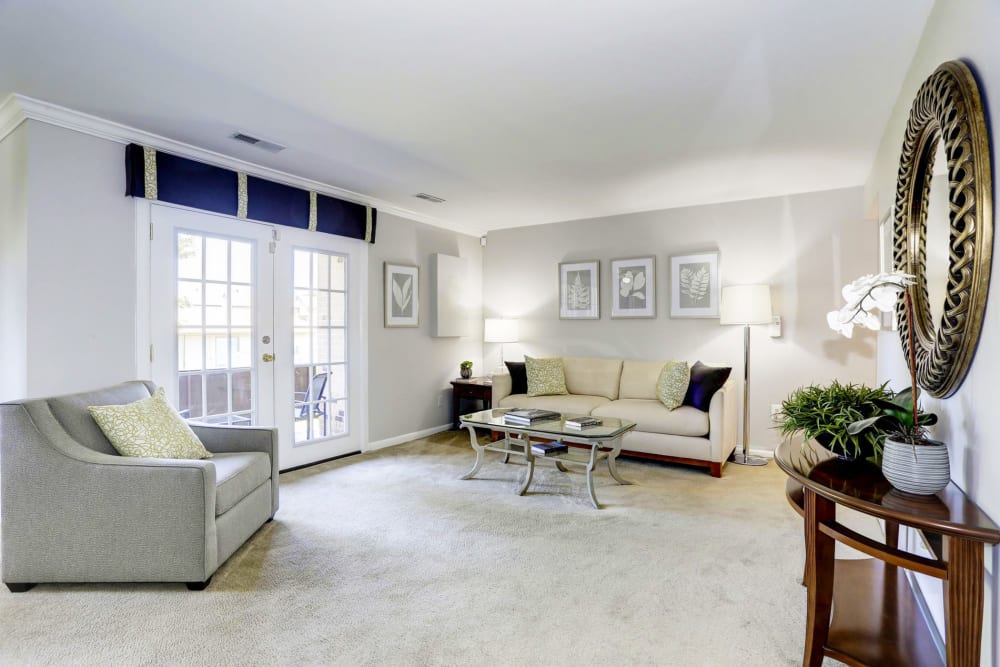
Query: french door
point(252, 325)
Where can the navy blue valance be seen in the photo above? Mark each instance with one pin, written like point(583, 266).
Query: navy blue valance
point(160, 176)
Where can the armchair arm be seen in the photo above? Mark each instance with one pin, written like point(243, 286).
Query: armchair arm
point(155, 516)
point(218, 439)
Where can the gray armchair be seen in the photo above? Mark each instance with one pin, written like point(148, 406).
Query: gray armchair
point(73, 510)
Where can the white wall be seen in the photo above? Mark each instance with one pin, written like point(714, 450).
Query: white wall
point(805, 246)
point(956, 29)
point(409, 371)
point(13, 264)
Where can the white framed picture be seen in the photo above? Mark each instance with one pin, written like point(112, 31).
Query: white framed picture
point(633, 283)
point(579, 290)
point(695, 285)
point(402, 295)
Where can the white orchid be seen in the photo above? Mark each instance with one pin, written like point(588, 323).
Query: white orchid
point(868, 293)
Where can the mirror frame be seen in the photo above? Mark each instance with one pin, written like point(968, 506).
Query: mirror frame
point(947, 108)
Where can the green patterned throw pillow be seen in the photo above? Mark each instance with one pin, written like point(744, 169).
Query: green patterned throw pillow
point(149, 427)
point(545, 376)
point(673, 383)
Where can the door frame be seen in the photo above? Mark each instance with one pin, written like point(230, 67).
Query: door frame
point(143, 308)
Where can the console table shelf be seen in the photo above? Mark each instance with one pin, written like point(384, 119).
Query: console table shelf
point(863, 612)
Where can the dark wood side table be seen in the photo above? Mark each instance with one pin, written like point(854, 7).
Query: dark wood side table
point(480, 389)
point(875, 620)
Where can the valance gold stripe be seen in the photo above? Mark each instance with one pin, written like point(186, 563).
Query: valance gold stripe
point(313, 215)
point(241, 195)
point(149, 172)
point(368, 224)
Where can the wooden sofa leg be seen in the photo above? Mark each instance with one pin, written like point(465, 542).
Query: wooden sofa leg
point(19, 588)
point(199, 585)
point(716, 469)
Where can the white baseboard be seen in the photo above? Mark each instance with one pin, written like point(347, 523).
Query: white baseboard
point(766, 453)
point(406, 437)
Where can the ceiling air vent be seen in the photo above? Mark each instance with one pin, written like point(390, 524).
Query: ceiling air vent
point(430, 198)
point(256, 142)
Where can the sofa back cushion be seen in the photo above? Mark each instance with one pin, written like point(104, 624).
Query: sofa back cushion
point(639, 379)
point(595, 377)
point(72, 414)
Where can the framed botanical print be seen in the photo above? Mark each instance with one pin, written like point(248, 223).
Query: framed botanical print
point(694, 285)
point(402, 295)
point(579, 290)
point(633, 283)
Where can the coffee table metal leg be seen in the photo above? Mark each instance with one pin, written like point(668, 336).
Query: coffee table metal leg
point(480, 453)
point(527, 478)
point(560, 467)
point(613, 463)
point(590, 476)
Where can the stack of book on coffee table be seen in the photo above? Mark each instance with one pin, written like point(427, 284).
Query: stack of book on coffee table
point(528, 417)
point(548, 448)
point(580, 423)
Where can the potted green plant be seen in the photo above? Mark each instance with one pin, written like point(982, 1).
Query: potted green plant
point(911, 461)
point(824, 413)
point(466, 369)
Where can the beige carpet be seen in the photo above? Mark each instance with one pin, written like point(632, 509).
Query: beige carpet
point(389, 559)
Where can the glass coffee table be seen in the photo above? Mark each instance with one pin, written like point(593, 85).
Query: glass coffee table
point(604, 442)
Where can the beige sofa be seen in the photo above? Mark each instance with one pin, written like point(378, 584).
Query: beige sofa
point(627, 389)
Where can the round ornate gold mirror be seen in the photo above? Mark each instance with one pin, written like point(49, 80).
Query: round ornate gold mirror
point(949, 297)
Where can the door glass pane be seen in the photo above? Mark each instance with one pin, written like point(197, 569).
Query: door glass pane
point(215, 336)
point(319, 335)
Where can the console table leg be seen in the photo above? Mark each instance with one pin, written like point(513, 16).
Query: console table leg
point(480, 454)
point(819, 577)
point(963, 601)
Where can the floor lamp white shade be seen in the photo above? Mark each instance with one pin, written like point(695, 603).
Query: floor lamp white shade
point(746, 305)
point(500, 330)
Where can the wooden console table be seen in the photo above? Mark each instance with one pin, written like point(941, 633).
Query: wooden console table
point(875, 620)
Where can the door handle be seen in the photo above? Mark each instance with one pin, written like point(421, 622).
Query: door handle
point(267, 357)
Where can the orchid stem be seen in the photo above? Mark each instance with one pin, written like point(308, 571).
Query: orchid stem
point(913, 359)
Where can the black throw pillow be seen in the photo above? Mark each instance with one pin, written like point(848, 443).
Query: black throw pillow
point(518, 377)
point(705, 381)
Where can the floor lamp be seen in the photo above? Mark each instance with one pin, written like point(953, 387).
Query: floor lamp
point(746, 305)
point(497, 330)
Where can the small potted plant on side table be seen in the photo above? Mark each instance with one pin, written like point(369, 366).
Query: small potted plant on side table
point(911, 461)
point(466, 369)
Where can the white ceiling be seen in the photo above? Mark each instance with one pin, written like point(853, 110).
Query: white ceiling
point(517, 112)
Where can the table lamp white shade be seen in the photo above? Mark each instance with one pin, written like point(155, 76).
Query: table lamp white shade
point(745, 304)
point(500, 331)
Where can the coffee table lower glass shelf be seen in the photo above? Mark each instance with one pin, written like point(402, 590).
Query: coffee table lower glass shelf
point(604, 442)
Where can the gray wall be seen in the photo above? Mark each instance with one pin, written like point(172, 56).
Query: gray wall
point(408, 370)
point(964, 29)
point(13, 264)
point(805, 246)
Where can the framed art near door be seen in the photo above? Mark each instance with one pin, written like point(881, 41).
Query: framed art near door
point(694, 285)
point(633, 283)
point(402, 295)
point(579, 290)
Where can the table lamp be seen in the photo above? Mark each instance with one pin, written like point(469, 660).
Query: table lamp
point(500, 330)
point(746, 305)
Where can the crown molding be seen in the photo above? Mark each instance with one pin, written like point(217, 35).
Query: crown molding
point(17, 108)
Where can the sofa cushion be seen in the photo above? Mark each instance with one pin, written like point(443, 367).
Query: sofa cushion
point(575, 404)
point(705, 381)
point(236, 475)
point(639, 379)
point(545, 376)
point(149, 427)
point(672, 385)
point(650, 416)
point(72, 414)
point(518, 377)
point(594, 377)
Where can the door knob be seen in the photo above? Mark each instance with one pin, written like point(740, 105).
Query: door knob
point(267, 357)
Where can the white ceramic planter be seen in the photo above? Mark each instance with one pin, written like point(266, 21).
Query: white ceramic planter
point(921, 469)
